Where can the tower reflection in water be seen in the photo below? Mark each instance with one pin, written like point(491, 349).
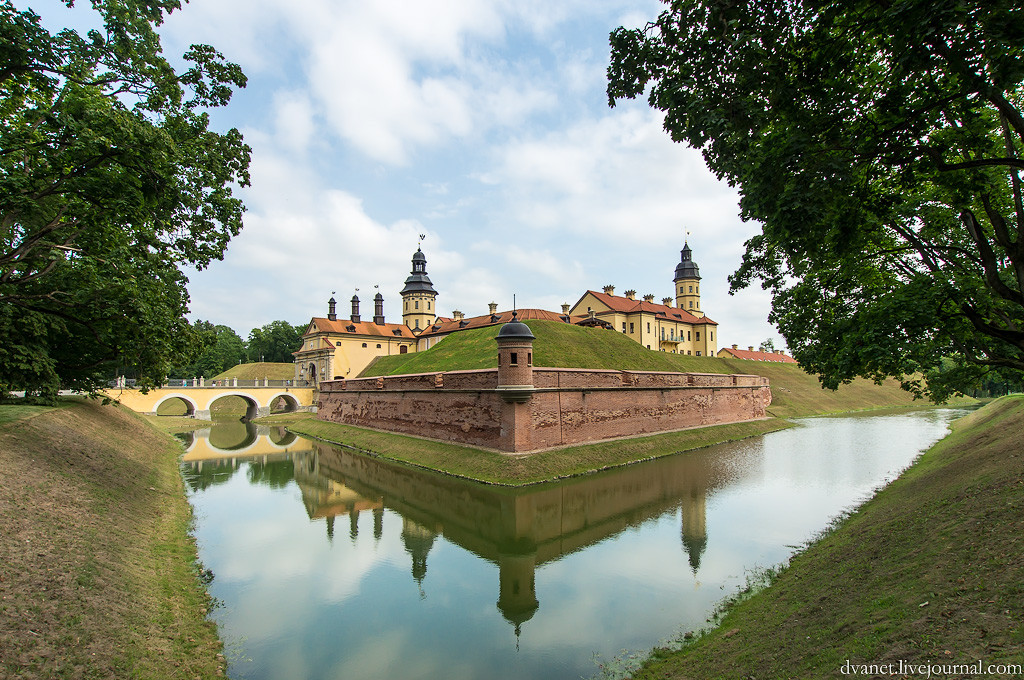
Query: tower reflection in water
point(519, 531)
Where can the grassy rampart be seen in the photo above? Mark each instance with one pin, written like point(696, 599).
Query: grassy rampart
point(97, 570)
point(499, 468)
point(794, 392)
point(258, 370)
point(930, 570)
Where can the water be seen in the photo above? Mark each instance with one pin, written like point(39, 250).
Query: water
point(333, 565)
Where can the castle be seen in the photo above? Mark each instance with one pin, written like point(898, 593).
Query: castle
point(334, 348)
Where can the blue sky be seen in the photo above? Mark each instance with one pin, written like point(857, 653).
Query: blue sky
point(481, 123)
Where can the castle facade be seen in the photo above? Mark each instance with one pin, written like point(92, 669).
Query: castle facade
point(334, 348)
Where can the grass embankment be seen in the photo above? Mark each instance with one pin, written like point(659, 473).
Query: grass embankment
point(499, 468)
point(97, 570)
point(258, 370)
point(929, 570)
point(795, 393)
point(560, 345)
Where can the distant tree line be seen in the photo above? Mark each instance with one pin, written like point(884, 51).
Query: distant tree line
point(221, 347)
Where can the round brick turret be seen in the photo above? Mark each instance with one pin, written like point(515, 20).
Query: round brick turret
point(515, 360)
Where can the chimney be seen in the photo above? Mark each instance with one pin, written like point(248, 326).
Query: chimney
point(666, 301)
point(649, 297)
point(630, 294)
point(735, 346)
point(493, 306)
point(609, 290)
point(565, 309)
point(457, 315)
point(355, 309)
point(378, 309)
point(330, 309)
point(750, 348)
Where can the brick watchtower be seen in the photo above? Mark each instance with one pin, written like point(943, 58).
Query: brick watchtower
point(515, 384)
point(515, 361)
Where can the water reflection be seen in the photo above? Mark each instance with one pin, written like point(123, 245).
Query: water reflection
point(451, 572)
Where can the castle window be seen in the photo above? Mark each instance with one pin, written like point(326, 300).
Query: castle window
point(418, 304)
point(623, 326)
point(691, 304)
point(417, 324)
point(648, 329)
point(687, 336)
point(529, 358)
point(711, 335)
point(403, 349)
point(687, 352)
point(513, 359)
point(364, 344)
point(378, 345)
point(698, 336)
point(691, 289)
point(698, 352)
point(631, 329)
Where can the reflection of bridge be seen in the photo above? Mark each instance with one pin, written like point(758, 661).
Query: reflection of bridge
point(260, 401)
point(237, 441)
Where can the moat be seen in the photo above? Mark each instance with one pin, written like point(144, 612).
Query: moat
point(329, 564)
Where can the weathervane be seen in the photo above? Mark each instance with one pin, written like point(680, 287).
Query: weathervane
point(422, 236)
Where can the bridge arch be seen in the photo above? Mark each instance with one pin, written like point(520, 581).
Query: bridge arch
point(252, 406)
point(289, 401)
point(190, 405)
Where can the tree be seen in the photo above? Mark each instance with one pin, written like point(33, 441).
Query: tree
point(221, 348)
point(274, 342)
point(767, 346)
point(879, 145)
point(110, 181)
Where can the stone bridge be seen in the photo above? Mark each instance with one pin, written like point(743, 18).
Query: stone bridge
point(260, 399)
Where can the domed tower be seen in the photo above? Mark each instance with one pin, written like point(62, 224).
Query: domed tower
point(419, 308)
point(687, 282)
point(515, 360)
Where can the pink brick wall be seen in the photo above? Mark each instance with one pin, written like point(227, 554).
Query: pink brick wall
point(570, 406)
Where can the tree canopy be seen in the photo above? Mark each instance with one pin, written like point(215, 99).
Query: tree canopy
point(879, 145)
point(110, 182)
point(275, 342)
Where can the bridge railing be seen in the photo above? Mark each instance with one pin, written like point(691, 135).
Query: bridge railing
point(220, 383)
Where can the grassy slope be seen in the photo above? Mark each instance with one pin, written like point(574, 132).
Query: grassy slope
point(499, 468)
point(930, 569)
point(257, 371)
point(795, 393)
point(97, 569)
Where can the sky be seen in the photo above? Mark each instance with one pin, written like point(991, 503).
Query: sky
point(481, 124)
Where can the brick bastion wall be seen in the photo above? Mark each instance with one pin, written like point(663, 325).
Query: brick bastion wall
point(562, 406)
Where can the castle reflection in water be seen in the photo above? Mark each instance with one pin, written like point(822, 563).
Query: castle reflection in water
point(518, 530)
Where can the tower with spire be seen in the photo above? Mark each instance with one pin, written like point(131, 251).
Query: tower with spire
point(687, 282)
point(419, 299)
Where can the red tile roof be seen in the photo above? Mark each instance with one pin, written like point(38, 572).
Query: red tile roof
point(320, 324)
point(446, 326)
point(626, 306)
point(757, 356)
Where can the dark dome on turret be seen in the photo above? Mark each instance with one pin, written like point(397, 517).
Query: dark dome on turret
point(687, 268)
point(418, 281)
point(515, 330)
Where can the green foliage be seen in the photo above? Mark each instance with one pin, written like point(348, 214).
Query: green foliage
point(220, 348)
point(110, 180)
point(879, 145)
point(274, 342)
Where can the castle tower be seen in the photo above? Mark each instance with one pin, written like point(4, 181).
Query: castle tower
point(515, 383)
point(515, 360)
point(419, 299)
point(687, 282)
